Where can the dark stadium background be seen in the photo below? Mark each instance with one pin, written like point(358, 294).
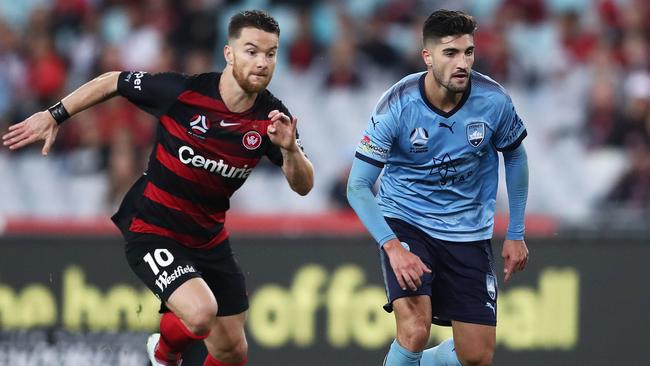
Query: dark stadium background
point(578, 72)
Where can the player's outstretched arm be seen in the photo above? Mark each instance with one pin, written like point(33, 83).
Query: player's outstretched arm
point(43, 125)
point(296, 167)
point(515, 251)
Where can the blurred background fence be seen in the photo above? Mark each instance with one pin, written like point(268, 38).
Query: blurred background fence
point(316, 300)
point(577, 70)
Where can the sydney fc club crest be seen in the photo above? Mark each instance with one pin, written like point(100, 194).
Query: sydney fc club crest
point(419, 139)
point(252, 140)
point(476, 133)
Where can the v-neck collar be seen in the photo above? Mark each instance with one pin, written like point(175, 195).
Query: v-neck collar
point(440, 112)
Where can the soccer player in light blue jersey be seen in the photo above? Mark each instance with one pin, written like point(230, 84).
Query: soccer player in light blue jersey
point(436, 136)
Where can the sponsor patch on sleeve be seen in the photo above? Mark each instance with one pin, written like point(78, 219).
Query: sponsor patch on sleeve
point(368, 147)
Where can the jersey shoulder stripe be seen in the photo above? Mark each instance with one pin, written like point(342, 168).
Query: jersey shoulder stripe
point(485, 83)
point(204, 83)
point(398, 92)
point(269, 102)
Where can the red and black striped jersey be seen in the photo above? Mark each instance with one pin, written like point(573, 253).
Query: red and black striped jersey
point(202, 154)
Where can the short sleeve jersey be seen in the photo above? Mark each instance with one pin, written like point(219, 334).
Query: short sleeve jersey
point(201, 155)
point(441, 168)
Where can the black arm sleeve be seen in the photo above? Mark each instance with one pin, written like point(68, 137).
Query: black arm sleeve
point(153, 93)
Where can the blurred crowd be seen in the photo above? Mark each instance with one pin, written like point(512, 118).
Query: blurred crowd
point(578, 72)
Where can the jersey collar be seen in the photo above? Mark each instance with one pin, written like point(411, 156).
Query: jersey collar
point(440, 112)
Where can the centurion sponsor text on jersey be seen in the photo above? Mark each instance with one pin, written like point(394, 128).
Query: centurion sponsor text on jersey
point(187, 157)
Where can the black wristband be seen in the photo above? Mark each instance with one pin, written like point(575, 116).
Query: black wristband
point(59, 113)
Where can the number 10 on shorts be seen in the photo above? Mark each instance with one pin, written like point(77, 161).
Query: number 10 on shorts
point(161, 257)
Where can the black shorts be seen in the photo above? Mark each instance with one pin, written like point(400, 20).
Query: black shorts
point(163, 265)
point(462, 283)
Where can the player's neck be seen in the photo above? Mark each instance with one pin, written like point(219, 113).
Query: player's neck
point(439, 96)
point(233, 96)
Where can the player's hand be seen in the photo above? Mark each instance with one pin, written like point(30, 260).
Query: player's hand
point(39, 126)
point(515, 257)
point(408, 267)
point(282, 130)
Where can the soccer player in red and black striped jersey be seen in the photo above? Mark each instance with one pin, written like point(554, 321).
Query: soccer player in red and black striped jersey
point(214, 129)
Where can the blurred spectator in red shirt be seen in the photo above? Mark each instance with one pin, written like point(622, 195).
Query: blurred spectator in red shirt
point(579, 43)
point(304, 48)
point(46, 70)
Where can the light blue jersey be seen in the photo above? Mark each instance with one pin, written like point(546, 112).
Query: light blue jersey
point(441, 169)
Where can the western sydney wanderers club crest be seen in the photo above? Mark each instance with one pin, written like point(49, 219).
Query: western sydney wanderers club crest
point(252, 140)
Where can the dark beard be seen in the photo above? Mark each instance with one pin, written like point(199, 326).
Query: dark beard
point(243, 82)
point(449, 86)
